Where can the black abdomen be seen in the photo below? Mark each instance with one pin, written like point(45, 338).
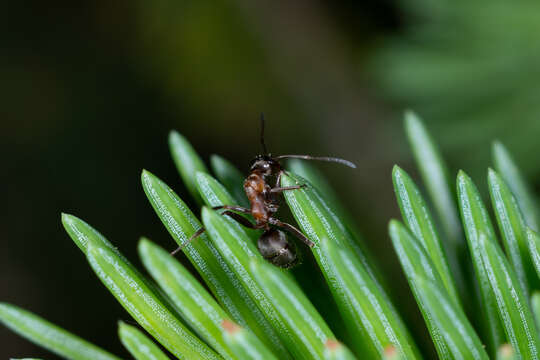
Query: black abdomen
point(275, 248)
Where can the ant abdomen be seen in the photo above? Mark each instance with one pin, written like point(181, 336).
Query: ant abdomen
point(274, 247)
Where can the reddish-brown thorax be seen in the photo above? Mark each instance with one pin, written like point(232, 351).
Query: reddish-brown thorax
point(257, 193)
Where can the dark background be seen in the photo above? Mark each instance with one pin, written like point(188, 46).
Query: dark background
point(90, 90)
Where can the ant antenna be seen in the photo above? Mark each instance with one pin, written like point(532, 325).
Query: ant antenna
point(321, 158)
point(262, 135)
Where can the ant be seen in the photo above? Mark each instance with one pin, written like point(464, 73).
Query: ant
point(272, 244)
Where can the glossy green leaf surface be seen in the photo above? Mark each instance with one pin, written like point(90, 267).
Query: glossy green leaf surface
point(212, 192)
point(302, 323)
point(318, 222)
point(434, 173)
point(371, 321)
point(513, 230)
point(81, 232)
point(417, 217)
point(435, 176)
point(143, 304)
point(230, 177)
point(316, 218)
point(533, 242)
point(244, 344)
point(138, 344)
point(187, 162)
point(512, 304)
point(476, 221)
point(50, 336)
point(416, 262)
point(195, 304)
point(458, 334)
point(238, 249)
point(317, 179)
point(535, 305)
point(217, 274)
point(511, 174)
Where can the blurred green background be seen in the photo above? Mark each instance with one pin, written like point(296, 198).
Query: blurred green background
point(90, 90)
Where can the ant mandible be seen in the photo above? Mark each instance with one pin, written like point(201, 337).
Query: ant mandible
point(272, 244)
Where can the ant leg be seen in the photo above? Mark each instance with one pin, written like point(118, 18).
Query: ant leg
point(282, 189)
point(242, 220)
point(233, 208)
point(278, 178)
point(283, 171)
point(292, 230)
point(235, 216)
point(191, 238)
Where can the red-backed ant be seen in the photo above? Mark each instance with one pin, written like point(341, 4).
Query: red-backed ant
point(272, 244)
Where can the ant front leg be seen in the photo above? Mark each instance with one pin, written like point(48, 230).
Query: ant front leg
point(278, 183)
point(279, 189)
point(292, 230)
point(278, 178)
point(285, 188)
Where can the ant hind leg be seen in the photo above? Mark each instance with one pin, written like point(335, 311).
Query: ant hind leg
point(292, 230)
point(235, 216)
point(242, 220)
point(282, 189)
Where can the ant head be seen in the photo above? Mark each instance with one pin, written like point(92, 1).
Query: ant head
point(265, 165)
